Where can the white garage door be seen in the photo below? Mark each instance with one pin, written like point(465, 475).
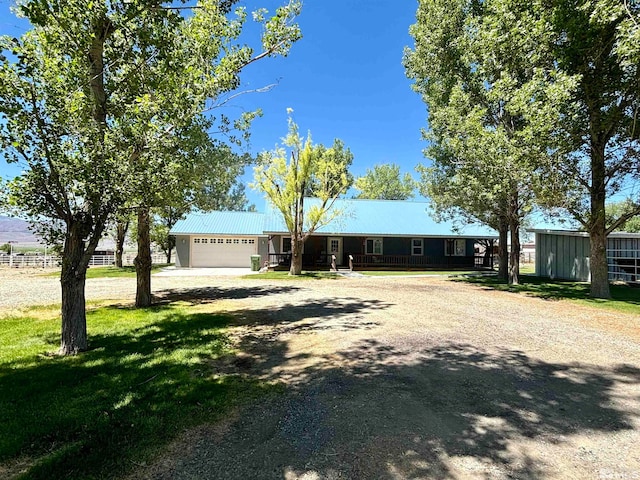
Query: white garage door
point(222, 252)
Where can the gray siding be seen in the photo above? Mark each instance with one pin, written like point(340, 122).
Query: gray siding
point(274, 244)
point(183, 242)
point(263, 244)
point(563, 257)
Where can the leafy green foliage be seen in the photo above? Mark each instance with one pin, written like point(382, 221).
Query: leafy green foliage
point(319, 171)
point(618, 210)
point(533, 98)
point(471, 64)
point(384, 182)
point(104, 103)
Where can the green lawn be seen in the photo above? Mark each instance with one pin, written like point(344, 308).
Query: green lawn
point(148, 374)
point(109, 272)
point(284, 275)
point(527, 269)
point(382, 273)
point(625, 299)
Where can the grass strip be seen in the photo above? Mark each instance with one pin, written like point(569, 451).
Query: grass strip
point(111, 272)
point(284, 275)
point(624, 299)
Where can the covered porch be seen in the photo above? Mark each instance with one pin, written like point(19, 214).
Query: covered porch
point(384, 253)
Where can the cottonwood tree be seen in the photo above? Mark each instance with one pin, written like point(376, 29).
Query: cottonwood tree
point(469, 65)
point(286, 174)
point(83, 103)
point(384, 182)
point(160, 170)
point(597, 151)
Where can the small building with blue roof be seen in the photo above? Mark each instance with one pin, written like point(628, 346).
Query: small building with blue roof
point(372, 233)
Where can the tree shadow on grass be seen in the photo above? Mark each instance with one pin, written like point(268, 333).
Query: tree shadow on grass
point(553, 289)
point(95, 414)
point(92, 415)
point(410, 411)
point(203, 295)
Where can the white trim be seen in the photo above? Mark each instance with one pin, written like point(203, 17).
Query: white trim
point(340, 253)
point(574, 233)
point(374, 240)
point(421, 240)
point(282, 239)
point(455, 247)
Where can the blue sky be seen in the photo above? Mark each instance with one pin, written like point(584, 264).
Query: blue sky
point(344, 80)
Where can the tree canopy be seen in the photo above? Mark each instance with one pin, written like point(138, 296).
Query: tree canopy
point(101, 101)
point(530, 101)
point(384, 182)
point(299, 168)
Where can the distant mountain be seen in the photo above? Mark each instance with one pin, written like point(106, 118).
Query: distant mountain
point(16, 230)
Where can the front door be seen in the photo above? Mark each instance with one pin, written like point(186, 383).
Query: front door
point(334, 247)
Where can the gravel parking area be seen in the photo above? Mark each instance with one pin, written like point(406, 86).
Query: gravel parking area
point(405, 378)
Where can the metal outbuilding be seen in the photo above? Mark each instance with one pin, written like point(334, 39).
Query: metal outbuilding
point(564, 254)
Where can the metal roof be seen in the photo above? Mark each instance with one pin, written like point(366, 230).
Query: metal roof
point(220, 223)
point(382, 218)
point(356, 218)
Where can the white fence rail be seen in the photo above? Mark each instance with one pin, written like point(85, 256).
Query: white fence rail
point(49, 261)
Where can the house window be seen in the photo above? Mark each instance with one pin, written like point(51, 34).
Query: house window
point(455, 248)
point(417, 246)
point(252, 240)
point(220, 240)
point(286, 245)
point(196, 240)
point(204, 240)
point(373, 246)
point(235, 240)
point(244, 241)
point(228, 240)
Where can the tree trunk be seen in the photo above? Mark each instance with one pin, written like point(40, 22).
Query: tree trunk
point(296, 256)
point(169, 250)
point(597, 225)
point(488, 254)
point(72, 280)
point(143, 260)
point(598, 265)
point(121, 234)
point(75, 259)
point(503, 251)
point(514, 263)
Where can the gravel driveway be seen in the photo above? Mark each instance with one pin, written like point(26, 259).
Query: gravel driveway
point(410, 378)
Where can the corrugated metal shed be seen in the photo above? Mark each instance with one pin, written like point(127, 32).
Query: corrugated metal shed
point(220, 223)
point(382, 218)
point(565, 254)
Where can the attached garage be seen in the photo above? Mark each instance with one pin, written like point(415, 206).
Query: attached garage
point(222, 252)
point(219, 239)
